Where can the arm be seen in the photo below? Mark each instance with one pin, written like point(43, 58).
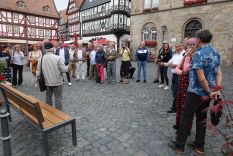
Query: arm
point(219, 77)
point(62, 67)
point(114, 55)
point(21, 55)
point(178, 71)
point(186, 64)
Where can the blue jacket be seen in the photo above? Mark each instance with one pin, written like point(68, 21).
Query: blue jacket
point(67, 55)
point(142, 54)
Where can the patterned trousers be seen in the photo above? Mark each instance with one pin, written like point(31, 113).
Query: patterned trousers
point(111, 72)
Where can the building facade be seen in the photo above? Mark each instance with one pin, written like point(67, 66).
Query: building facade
point(175, 20)
point(26, 22)
point(73, 12)
point(63, 26)
point(109, 19)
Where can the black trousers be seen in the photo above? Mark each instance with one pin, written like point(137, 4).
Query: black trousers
point(68, 76)
point(17, 69)
point(194, 104)
point(124, 71)
point(131, 71)
point(88, 67)
point(163, 72)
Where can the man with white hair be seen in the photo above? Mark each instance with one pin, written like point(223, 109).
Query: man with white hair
point(80, 59)
point(53, 68)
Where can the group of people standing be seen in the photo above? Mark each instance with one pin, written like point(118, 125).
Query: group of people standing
point(195, 67)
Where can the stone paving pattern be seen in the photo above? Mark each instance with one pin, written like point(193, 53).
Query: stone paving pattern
point(112, 120)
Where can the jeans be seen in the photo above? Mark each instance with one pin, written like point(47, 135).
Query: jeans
point(57, 92)
point(93, 71)
point(174, 90)
point(17, 69)
point(194, 104)
point(163, 75)
point(142, 65)
point(111, 72)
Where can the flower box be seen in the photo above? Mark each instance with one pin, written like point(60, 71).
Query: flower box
point(150, 43)
point(194, 2)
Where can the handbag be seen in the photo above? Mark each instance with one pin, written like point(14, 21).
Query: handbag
point(42, 79)
point(216, 115)
point(28, 62)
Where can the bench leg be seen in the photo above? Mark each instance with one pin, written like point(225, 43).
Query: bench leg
point(74, 133)
point(9, 111)
point(45, 142)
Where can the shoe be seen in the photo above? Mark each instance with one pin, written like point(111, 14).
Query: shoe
point(144, 81)
point(125, 81)
point(161, 86)
point(166, 88)
point(35, 85)
point(63, 82)
point(131, 77)
point(21, 84)
point(69, 84)
point(175, 127)
point(121, 81)
point(172, 145)
point(198, 150)
point(156, 81)
point(74, 76)
point(138, 81)
point(77, 79)
point(171, 111)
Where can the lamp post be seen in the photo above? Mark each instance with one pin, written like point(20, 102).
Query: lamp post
point(164, 29)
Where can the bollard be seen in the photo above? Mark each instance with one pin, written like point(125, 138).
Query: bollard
point(5, 133)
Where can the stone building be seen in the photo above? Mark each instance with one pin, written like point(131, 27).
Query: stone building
point(26, 22)
point(174, 20)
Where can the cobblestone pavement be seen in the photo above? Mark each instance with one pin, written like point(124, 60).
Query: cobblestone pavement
point(118, 120)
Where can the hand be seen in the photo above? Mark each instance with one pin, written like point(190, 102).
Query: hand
point(214, 95)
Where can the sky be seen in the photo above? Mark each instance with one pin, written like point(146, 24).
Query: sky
point(61, 4)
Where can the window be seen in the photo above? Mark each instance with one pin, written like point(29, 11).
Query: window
point(41, 21)
point(47, 21)
point(46, 9)
point(16, 29)
point(40, 32)
point(32, 31)
point(20, 4)
point(9, 28)
point(146, 35)
point(16, 16)
point(191, 28)
point(148, 4)
point(149, 32)
point(31, 19)
point(48, 33)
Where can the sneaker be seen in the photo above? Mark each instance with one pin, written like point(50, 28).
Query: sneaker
point(144, 81)
point(138, 81)
point(69, 84)
point(171, 111)
point(198, 150)
point(172, 145)
point(21, 84)
point(166, 88)
point(156, 81)
point(161, 86)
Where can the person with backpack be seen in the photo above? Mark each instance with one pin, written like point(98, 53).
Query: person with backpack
point(142, 57)
point(100, 62)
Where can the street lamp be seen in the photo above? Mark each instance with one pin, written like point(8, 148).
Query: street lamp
point(164, 29)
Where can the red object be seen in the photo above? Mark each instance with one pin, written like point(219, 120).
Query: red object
point(2, 78)
point(62, 38)
point(194, 2)
point(151, 43)
point(76, 39)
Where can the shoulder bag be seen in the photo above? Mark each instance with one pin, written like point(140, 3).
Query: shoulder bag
point(42, 79)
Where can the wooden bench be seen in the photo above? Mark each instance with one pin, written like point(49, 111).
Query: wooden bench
point(43, 116)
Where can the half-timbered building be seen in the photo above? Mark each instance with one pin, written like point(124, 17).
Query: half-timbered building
point(27, 21)
point(108, 19)
point(74, 19)
point(63, 25)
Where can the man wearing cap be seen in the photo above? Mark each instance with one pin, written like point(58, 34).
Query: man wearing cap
point(53, 69)
point(65, 58)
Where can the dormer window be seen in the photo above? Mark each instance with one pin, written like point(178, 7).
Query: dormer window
point(20, 4)
point(46, 9)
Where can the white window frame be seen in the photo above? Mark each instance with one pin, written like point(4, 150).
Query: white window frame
point(16, 30)
point(149, 4)
point(15, 17)
point(9, 28)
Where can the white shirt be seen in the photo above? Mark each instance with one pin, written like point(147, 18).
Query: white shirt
point(18, 58)
point(80, 55)
point(62, 55)
point(92, 57)
point(176, 59)
point(71, 54)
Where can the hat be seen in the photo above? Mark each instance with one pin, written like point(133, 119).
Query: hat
point(48, 45)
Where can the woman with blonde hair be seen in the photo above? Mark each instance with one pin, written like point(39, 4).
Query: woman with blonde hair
point(33, 58)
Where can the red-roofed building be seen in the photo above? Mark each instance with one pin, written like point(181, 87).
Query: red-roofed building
point(27, 21)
